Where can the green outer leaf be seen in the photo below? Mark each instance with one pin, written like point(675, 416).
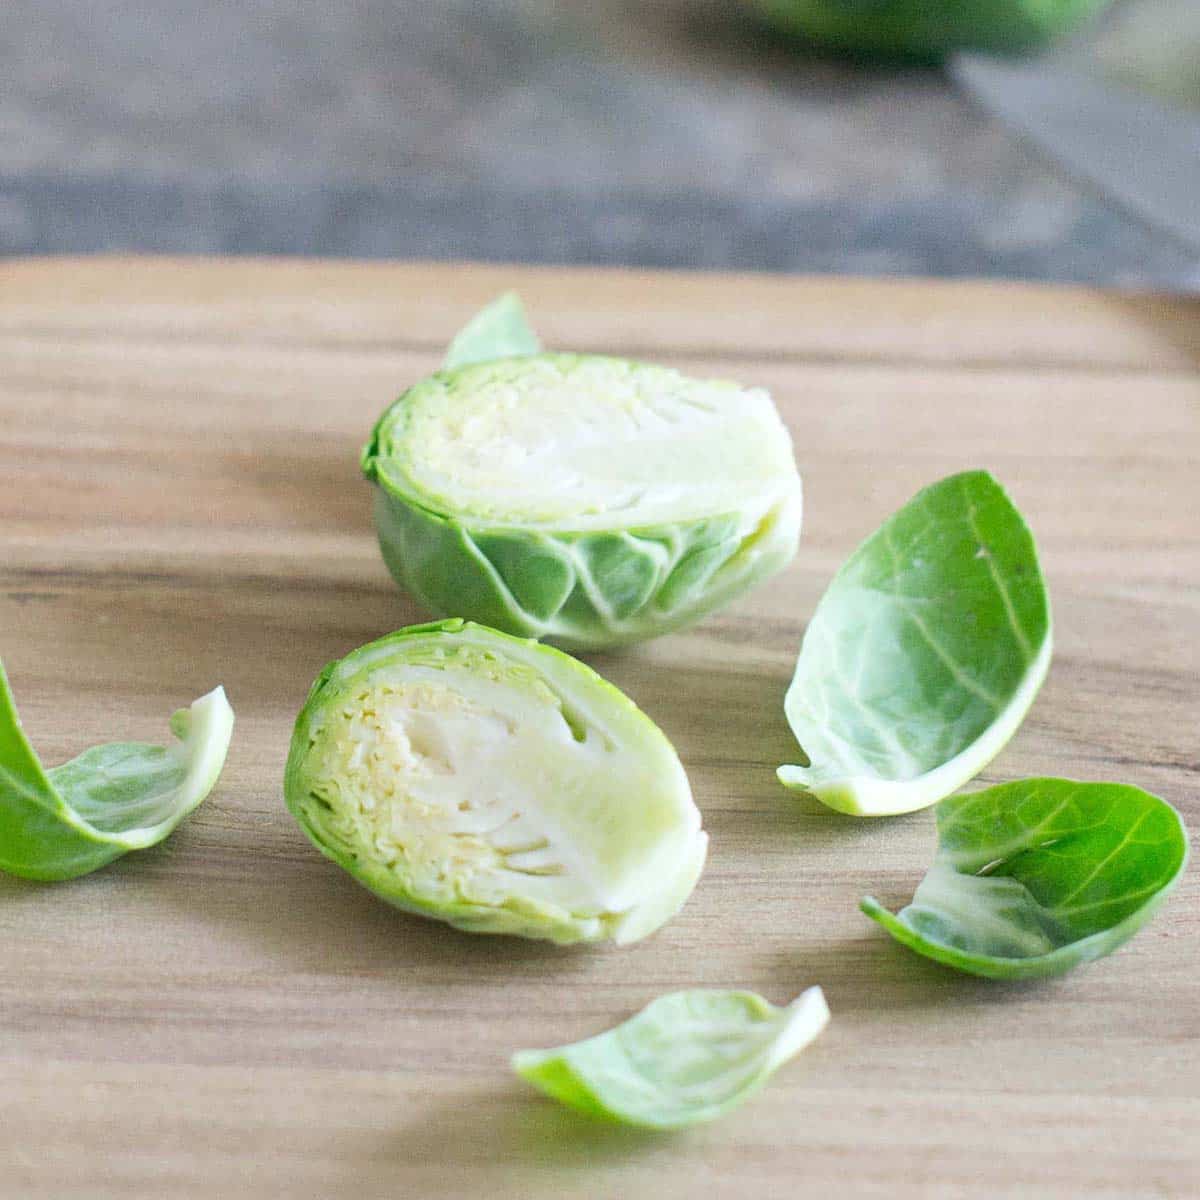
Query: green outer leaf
point(653, 834)
point(1035, 877)
point(73, 819)
point(544, 585)
point(923, 655)
point(501, 330)
point(686, 1057)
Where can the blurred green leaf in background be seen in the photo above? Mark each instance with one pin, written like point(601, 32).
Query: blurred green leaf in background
point(927, 29)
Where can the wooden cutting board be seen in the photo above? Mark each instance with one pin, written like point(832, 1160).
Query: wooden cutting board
point(229, 1015)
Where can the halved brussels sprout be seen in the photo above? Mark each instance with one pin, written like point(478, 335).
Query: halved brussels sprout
point(496, 784)
point(590, 500)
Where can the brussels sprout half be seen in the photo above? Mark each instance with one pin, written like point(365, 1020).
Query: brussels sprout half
point(585, 499)
point(496, 784)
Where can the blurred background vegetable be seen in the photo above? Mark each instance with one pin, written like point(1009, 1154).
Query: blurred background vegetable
point(925, 30)
point(689, 133)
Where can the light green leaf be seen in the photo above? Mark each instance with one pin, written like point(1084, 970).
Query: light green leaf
point(584, 499)
point(72, 819)
point(496, 784)
point(685, 1058)
point(1034, 877)
point(501, 330)
point(924, 654)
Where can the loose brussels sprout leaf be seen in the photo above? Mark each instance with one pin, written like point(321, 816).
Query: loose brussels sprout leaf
point(585, 499)
point(496, 784)
point(72, 819)
point(686, 1057)
point(1034, 877)
point(923, 656)
point(501, 330)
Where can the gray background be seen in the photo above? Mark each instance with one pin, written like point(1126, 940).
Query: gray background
point(658, 132)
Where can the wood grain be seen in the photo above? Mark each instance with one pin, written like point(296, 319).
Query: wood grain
point(230, 1016)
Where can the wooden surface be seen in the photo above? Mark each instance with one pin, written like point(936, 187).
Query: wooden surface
point(229, 1015)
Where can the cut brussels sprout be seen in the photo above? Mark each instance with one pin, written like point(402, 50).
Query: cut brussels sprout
point(496, 784)
point(67, 821)
point(589, 500)
point(1034, 877)
point(685, 1058)
point(923, 656)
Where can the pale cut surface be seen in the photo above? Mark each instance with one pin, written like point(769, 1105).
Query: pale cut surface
point(471, 788)
point(578, 442)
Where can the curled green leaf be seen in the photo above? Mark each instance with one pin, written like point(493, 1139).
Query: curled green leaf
point(588, 500)
point(686, 1057)
point(496, 784)
point(1034, 877)
point(924, 654)
point(69, 820)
